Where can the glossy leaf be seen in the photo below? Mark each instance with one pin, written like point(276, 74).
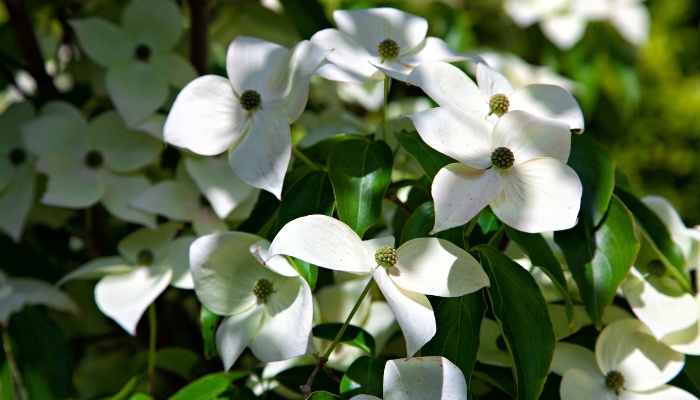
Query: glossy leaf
point(429, 159)
point(522, 315)
point(353, 336)
point(596, 169)
point(312, 194)
point(208, 386)
point(364, 376)
point(600, 260)
point(360, 172)
point(307, 271)
point(421, 222)
point(323, 396)
point(295, 376)
point(498, 377)
point(208, 321)
point(319, 151)
point(689, 378)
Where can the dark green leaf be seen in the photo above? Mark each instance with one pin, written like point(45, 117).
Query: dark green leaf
point(689, 378)
point(360, 172)
point(522, 315)
point(307, 271)
point(312, 194)
point(429, 159)
point(129, 389)
point(353, 336)
point(208, 321)
point(421, 222)
point(323, 396)
point(308, 16)
point(364, 376)
point(208, 386)
point(599, 261)
point(293, 377)
point(596, 169)
point(177, 360)
point(319, 152)
point(498, 377)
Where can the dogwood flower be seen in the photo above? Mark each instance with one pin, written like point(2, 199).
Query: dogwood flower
point(267, 309)
point(418, 267)
point(373, 42)
point(517, 166)
point(139, 59)
point(16, 293)
point(150, 260)
point(248, 114)
point(628, 363)
point(421, 378)
point(494, 96)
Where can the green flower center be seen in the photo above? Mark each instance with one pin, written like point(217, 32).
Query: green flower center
point(386, 256)
point(250, 99)
point(17, 156)
point(142, 52)
point(615, 381)
point(144, 258)
point(262, 288)
point(93, 159)
point(656, 268)
point(499, 104)
point(388, 49)
point(502, 157)
point(501, 343)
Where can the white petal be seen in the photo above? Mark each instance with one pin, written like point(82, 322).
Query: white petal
point(154, 240)
point(372, 245)
point(177, 258)
point(323, 241)
point(175, 68)
point(492, 82)
point(669, 216)
point(686, 341)
point(568, 356)
point(579, 385)
point(434, 49)
point(170, 199)
point(280, 265)
point(460, 192)
point(217, 182)
point(394, 69)
point(97, 268)
point(421, 378)
point(437, 267)
point(287, 322)
point(262, 156)
point(250, 63)
point(629, 347)
point(336, 301)
point(564, 30)
point(153, 125)
point(39, 292)
point(56, 134)
point(205, 222)
point(540, 195)
point(665, 392)
point(460, 135)
point(412, 311)
point(206, 117)
point(549, 101)
point(136, 89)
point(125, 297)
point(334, 73)
point(93, 33)
point(16, 202)
point(489, 353)
point(123, 150)
point(529, 136)
point(633, 23)
point(71, 184)
point(155, 23)
point(120, 192)
point(449, 86)
point(347, 55)
point(235, 333)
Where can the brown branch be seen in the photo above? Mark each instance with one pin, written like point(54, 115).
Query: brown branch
point(306, 388)
point(199, 15)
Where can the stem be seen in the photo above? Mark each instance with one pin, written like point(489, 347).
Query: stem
point(298, 154)
point(470, 227)
point(386, 96)
point(199, 16)
point(17, 381)
point(496, 238)
point(151, 368)
point(306, 389)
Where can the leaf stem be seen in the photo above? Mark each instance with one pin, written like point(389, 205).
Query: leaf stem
point(151, 368)
point(17, 381)
point(298, 154)
point(386, 96)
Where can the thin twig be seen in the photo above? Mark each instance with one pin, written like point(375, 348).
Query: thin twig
point(199, 17)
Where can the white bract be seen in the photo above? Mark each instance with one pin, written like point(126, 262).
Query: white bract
point(521, 73)
point(249, 113)
point(628, 363)
point(267, 308)
point(149, 261)
point(139, 59)
point(517, 166)
point(425, 266)
point(87, 162)
point(376, 41)
point(16, 293)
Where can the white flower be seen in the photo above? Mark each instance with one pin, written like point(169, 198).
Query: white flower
point(517, 166)
point(376, 41)
point(521, 73)
point(420, 266)
point(87, 162)
point(267, 309)
point(628, 363)
point(15, 293)
point(139, 59)
point(421, 378)
point(249, 113)
point(150, 261)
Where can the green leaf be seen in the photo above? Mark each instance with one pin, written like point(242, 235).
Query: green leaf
point(541, 255)
point(319, 151)
point(689, 378)
point(312, 194)
point(308, 16)
point(599, 261)
point(498, 377)
point(429, 159)
point(307, 271)
point(360, 172)
point(209, 322)
point(177, 360)
point(522, 315)
point(364, 376)
point(129, 388)
point(353, 336)
point(208, 386)
point(596, 169)
point(488, 222)
point(323, 396)
point(295, 376)
point(421, 222)
point(458, 322)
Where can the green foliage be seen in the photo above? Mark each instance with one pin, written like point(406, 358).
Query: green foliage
point(353, 336)
point(364, 376)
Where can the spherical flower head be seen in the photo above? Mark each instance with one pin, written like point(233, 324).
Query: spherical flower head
point(499, 104)
point(615, 381)
point(502, 158)
point(262, 288)
point(386, 256)
point(250, 100)
point(388, 49)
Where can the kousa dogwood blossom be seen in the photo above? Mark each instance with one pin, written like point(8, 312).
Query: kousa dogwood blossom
point(521, 73)
point(18, 170)
point(628, 363)
point(150, 260)
point(517, 167)
point(139, 59)
point(404, 275)
point(268, 308)
point(373, 42)
point(495, 95)
point(16, 293)
point(90, 162)
point(421, 378)
point(249, 113)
